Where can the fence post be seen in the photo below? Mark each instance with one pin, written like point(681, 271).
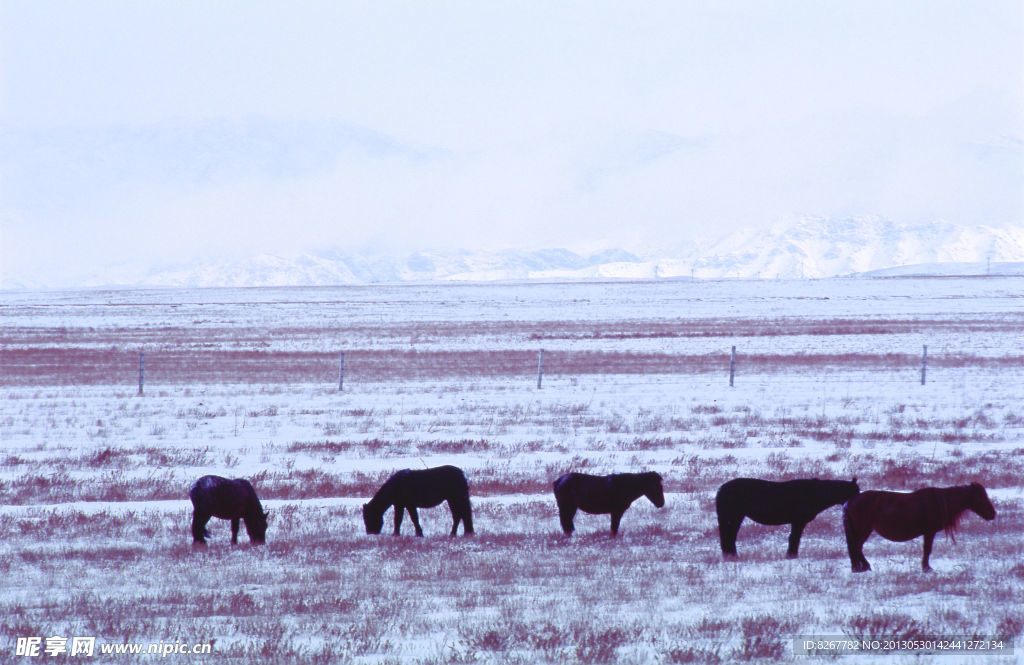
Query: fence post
point(540, 368)
point(732, 366)
point(142, 370)
point(341, 372)
point(924, 363)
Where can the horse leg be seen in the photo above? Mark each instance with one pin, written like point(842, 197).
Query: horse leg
point(199, 533)
point(855, 546)
point(566, 511)
point(929, 536)
point(235, 523)
point(728, 528)
point(414, 516)
point(461, 511)
point(794, 539)
point(399, 514)
point(616, 518)
point(456, 517)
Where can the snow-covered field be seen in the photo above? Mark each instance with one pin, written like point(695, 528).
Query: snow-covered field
point(94, 521)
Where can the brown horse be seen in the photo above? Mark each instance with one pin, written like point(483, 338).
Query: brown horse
point(901, 516)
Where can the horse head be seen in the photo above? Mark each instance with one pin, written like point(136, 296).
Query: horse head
point(978, 502)
point(653, 490)
point(257, 526)
point(373, 519)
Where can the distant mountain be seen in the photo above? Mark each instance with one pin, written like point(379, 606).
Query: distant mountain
point(808, 248)
point(949, 270)
point(831, 247)
point(334, 267)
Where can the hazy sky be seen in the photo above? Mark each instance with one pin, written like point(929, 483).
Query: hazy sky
point(151, 132)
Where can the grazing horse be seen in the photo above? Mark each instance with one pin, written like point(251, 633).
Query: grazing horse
point(902, 516)
point(604, 494)
point(795, 502)
point(213, 496)
point(410, 489)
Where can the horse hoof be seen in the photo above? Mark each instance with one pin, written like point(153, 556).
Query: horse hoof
point(791, 556)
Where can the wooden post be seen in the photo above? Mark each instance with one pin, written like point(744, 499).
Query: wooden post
point(540, 368)
point(732, 366)
point(142, 370)
point(924, 363)
point(341, 372)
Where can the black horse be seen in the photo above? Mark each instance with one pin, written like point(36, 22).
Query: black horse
point(604, 494)
point(410, 489)
point(902, 516)
point(795, 502)
point(213, 496)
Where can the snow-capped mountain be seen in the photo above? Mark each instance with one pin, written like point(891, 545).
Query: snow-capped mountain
point(334, 267)
point(808, 248)
point(830, 247)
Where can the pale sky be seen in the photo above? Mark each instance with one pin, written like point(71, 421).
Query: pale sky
point(162, 132)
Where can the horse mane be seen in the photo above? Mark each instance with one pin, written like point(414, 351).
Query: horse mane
point(254, 507)
point(383, 498)
point(834, 491)
point(640, 479)
point(949, 516)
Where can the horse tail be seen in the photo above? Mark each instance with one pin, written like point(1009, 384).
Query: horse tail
point(467, 516)
point(724, 503)
point(466, 506)
point(950, 519)
point(194, 493)
point(560, 484)
point(729, 518)
point(853, 543)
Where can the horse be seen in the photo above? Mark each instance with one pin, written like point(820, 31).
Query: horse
point(235, 500)
point(410, 489)
point(794, 502)
point(902, 516)
point(604, 494)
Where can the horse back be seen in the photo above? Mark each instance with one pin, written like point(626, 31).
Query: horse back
point(589, 493)
point(426, 488)
point(896, 516)
point(224, 498)
point(772, 502)
point(750, 497)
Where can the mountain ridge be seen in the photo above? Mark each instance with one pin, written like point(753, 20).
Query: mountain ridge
point(804, 248)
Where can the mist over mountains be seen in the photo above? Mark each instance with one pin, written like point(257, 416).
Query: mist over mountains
point(808, 248)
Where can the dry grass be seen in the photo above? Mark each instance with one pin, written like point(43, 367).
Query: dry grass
point(72, 365)
point(527, 594)
point(148, 474)
point(227, 397)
